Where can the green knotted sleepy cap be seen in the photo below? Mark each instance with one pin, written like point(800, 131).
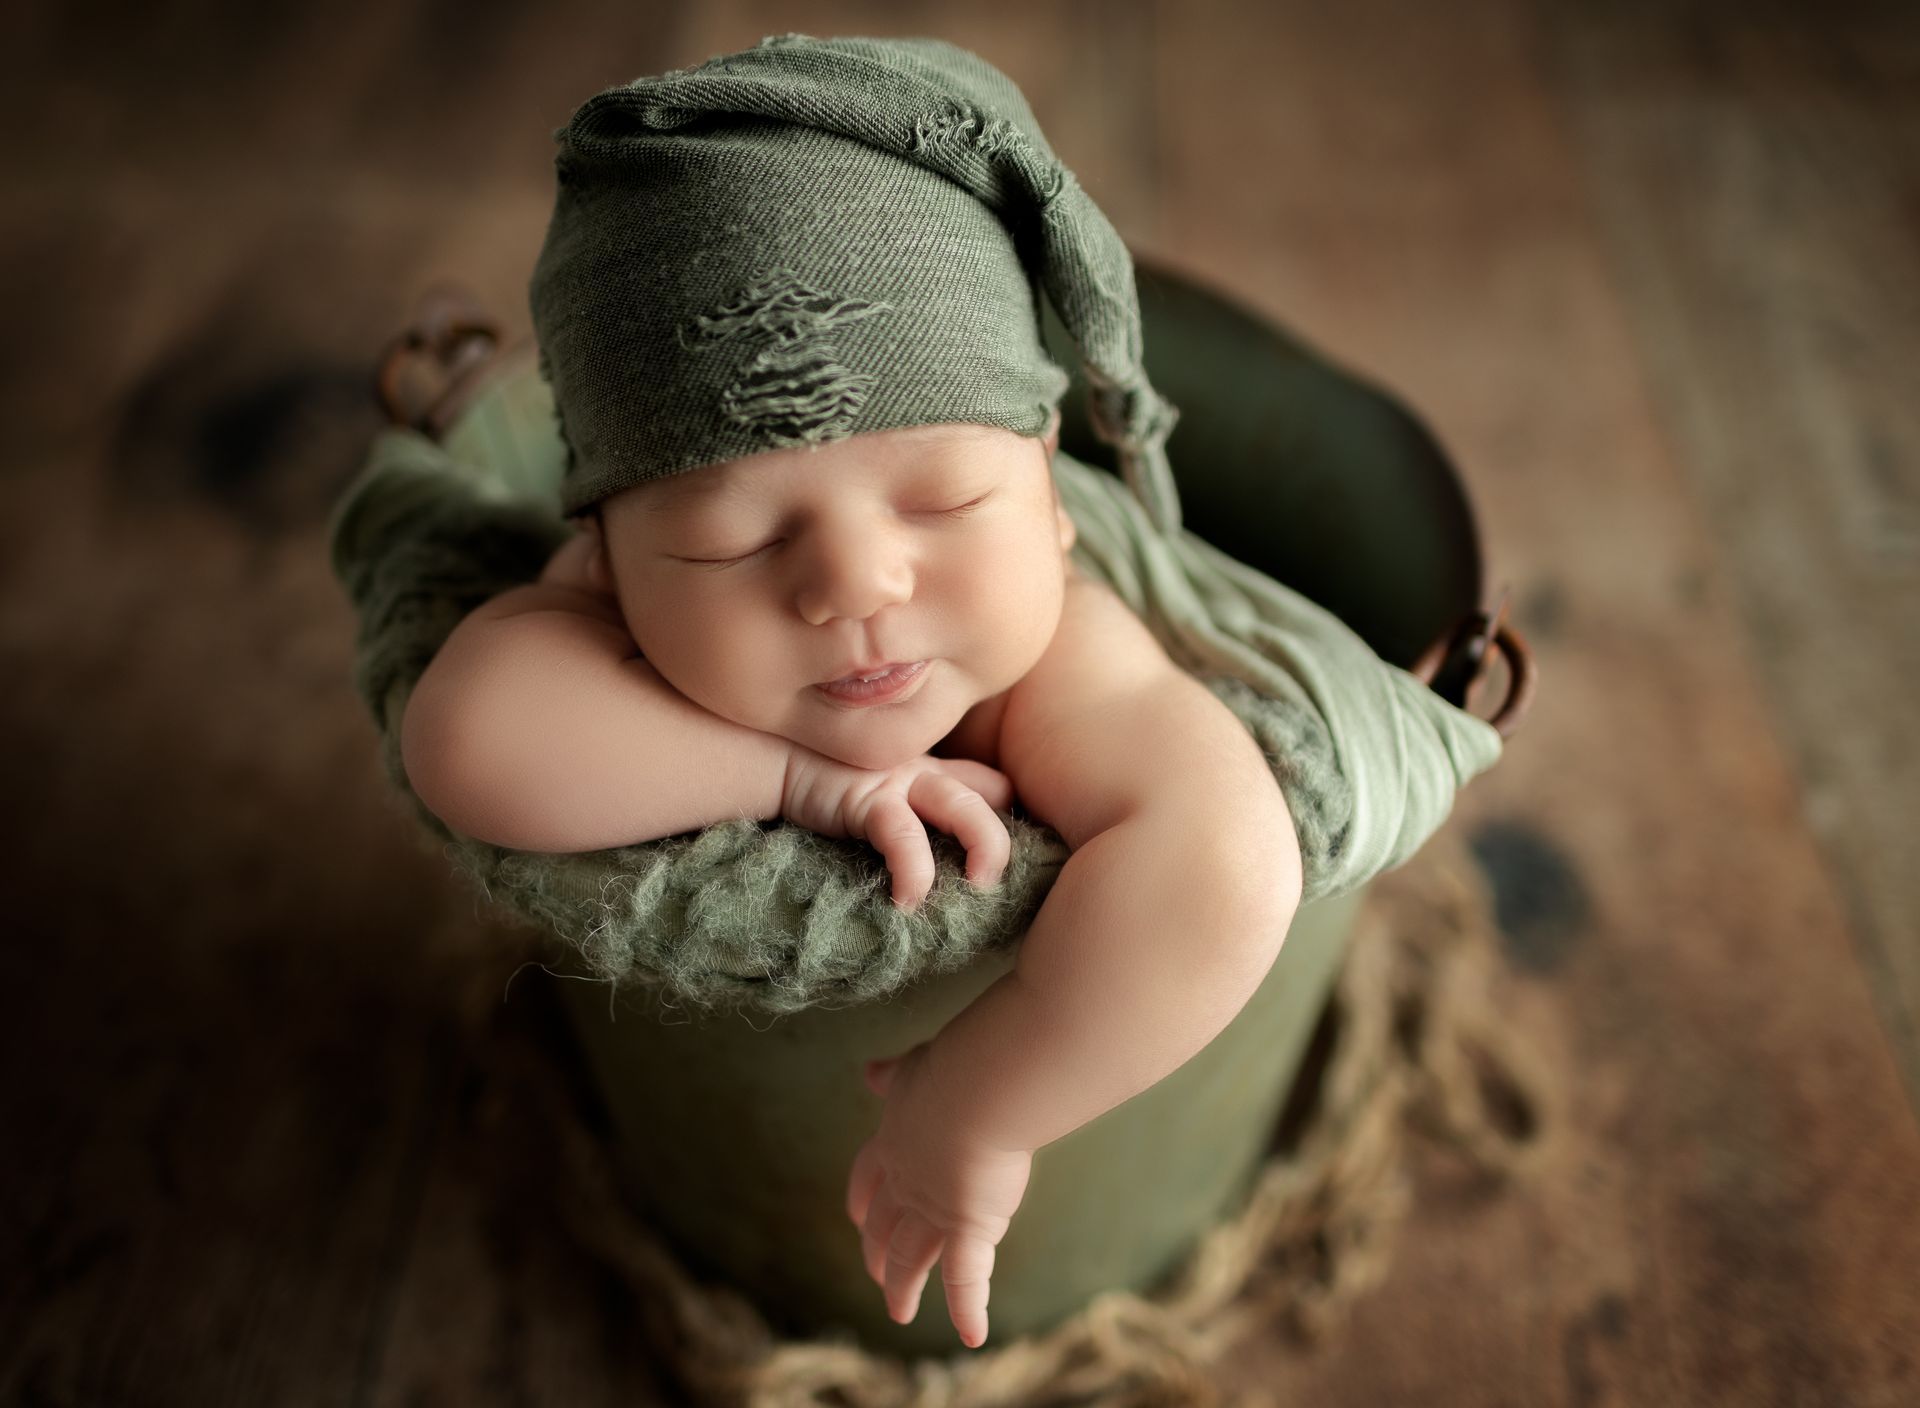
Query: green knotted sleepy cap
point(818, 237)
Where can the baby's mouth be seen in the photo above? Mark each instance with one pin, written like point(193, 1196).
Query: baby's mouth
point(873, 688)
point(868, 675)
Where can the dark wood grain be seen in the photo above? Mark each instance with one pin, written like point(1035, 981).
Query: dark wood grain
point(1758, 189)
point(274, 1136)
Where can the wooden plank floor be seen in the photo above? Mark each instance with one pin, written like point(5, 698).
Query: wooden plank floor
point(1649, 271)
point(1757, 195)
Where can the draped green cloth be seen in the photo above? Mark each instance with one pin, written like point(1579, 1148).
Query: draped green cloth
point(770, 916)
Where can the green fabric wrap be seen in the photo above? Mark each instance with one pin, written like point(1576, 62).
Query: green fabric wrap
point(819, 237)
point(770, 916)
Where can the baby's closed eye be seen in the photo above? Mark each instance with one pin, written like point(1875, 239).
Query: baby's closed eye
point(728, 559)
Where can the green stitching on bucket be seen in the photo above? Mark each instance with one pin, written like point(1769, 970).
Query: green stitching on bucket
point(794, 388)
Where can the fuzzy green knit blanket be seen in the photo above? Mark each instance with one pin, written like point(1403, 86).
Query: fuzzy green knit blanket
point(770, 916)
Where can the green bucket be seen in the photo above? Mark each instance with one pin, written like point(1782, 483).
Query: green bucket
point(737, 1133)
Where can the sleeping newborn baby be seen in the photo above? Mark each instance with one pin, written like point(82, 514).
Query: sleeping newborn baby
point(787, 305)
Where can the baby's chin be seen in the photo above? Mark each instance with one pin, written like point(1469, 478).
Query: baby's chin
point(877, 748)
point(883, 736)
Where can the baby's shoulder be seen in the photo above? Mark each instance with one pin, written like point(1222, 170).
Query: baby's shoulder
point(1099, 647)
point(1076, 735)
point(1089, 632)
point(563, 585)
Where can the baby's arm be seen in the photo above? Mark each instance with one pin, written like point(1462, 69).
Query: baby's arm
point(540, 727)
point(1183, 877)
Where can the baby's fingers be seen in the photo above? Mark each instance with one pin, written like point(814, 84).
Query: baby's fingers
point(863, 1182)
point(965, 1269)
point(910, 1257)
point(876, 1234)
point(969, 818)
point(989, 782)
point(901, 838)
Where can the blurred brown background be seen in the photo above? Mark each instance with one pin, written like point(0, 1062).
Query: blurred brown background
point(1650, 270)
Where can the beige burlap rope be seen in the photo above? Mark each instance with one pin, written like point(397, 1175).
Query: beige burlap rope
point(1418, 1044)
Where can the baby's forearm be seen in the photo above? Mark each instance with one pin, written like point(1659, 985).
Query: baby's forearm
point(543, 729)
point(1146, 948)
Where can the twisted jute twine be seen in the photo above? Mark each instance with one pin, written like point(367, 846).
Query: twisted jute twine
point(1418, 1045)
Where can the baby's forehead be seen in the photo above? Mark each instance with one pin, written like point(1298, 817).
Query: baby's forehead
point(745, 481)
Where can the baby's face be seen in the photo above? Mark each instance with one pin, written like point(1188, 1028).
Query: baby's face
point(748, 584)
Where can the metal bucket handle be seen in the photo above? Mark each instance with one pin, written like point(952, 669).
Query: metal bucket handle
point(453, 333)
point(1453, 665)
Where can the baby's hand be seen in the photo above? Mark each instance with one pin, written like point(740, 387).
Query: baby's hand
point(922, 1191)
point(886, 809)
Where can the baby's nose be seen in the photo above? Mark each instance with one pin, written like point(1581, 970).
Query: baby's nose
point(856, 576)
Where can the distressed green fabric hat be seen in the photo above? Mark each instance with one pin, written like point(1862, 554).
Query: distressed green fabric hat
point(818, 237)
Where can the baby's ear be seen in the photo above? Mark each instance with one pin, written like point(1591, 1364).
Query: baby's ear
point(1052, 437)
point(597, 571)
point(1069, 532)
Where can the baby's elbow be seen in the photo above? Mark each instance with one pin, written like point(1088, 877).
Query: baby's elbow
point(432, 754)
point(1269, 869)
point(1283, 872)
point(1251, 866)
point(453, 768)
